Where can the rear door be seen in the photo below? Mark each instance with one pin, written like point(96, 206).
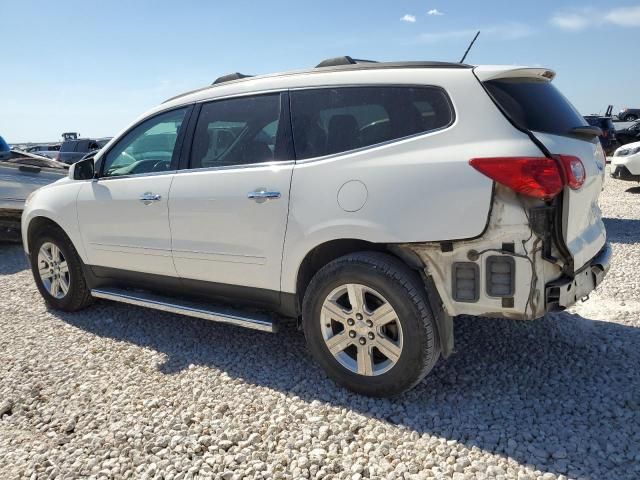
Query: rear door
point(532, 103)
point(228, 209)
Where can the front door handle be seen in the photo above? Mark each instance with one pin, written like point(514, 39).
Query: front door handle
point(262, 195)
point(148, 198)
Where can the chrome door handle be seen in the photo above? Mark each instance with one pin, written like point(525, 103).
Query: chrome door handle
point(263, 195)
point(148, 198)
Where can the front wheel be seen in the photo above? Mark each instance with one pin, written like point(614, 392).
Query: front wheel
point(367, 322)
point(57, 271)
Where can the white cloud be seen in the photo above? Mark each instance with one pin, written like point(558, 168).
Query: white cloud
point(409, 18)
point(581, 19)
point(435, 11)
point(570, 21)
point(507, 31)
point(625, 17)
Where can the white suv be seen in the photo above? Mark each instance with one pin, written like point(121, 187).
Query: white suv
point(371, 202)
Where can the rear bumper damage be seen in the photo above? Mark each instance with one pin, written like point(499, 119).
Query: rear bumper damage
point(564, 292)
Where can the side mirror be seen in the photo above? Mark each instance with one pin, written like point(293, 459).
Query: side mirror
point(82, 170)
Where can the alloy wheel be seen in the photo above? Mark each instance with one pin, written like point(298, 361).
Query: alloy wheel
point(53, 270)
point(361, 329)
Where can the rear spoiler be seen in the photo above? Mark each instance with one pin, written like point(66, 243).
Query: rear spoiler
point(495, 72)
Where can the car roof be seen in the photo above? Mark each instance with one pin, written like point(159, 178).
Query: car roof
point(338, 64)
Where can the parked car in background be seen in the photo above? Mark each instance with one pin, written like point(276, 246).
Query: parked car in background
point(50, 151)
point(625, 164)
point(20, 175)
point(629, 114)
point(608, 137)
point(363, 200)
point(629, 134)
point(73, 150)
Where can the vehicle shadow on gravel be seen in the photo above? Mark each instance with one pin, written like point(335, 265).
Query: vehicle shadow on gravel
point(622, 230)
point(11, 259)
point(633, 190)
point(561, 393)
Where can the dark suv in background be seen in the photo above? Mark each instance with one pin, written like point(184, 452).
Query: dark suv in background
point(608, 137)
point(73, 150)
point(629, 114)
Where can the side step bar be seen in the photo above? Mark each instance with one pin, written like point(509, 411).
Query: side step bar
point(256, 321)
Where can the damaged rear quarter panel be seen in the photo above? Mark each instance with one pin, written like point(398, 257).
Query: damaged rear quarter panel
point(508, 224)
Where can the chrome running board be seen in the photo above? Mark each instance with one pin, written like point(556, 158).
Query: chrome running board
point(256, 321)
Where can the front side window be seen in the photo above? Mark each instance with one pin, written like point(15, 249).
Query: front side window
point(335, 120)
point(240, 131)
point(148, 148)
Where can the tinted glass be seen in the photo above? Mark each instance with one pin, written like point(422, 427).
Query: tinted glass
point(239, 131)
point(3, 145)
point(334, 120)
point(535, 105)
point(68, 146)
point(147, 148)
point(83, 146)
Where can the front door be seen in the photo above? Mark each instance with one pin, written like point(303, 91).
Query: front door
point(228, 210)
point(123, 215)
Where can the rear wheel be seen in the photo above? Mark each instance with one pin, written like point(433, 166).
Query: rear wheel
point(368, 324)
point(57, 270)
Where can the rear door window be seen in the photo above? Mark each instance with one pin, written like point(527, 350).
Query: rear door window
point(535, 105)
point(334, 120)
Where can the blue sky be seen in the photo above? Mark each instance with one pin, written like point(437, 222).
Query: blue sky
point(93, 66)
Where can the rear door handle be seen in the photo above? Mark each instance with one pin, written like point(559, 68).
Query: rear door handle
point(148, 198)
point(259, 195)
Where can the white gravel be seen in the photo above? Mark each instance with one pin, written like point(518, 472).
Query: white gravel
point(122, 392)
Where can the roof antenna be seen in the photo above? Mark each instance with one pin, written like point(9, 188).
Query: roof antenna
point(469, 47)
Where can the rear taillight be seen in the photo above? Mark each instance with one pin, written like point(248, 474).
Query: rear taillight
point(538, 177)
point(575, 173)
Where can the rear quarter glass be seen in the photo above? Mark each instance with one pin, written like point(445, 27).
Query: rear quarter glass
point(535, 105)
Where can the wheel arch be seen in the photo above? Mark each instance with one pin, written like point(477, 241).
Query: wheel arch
point(326, 252)
point(40, 223)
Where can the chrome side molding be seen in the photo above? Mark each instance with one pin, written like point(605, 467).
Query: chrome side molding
point(256, 321)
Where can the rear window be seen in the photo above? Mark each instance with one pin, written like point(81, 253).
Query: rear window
point(68, 146)
point(333, 120)
point(535, 105)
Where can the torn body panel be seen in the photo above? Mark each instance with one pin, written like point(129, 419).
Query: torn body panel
point(512, 261)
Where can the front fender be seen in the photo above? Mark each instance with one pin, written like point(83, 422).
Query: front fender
point(58, 204)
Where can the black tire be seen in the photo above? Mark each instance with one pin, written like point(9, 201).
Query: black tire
point(78, 295)
point(405, 292)
point(630, 118)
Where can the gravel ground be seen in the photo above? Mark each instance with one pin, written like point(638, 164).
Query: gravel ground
point(122, 392)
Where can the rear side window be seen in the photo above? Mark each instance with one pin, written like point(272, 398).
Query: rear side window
point(535, 105)
point(68, 146)
point(241, 131)
point(334, 120)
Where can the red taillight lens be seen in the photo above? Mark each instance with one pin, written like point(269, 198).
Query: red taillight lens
point(574, 170)
point(538, 177)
